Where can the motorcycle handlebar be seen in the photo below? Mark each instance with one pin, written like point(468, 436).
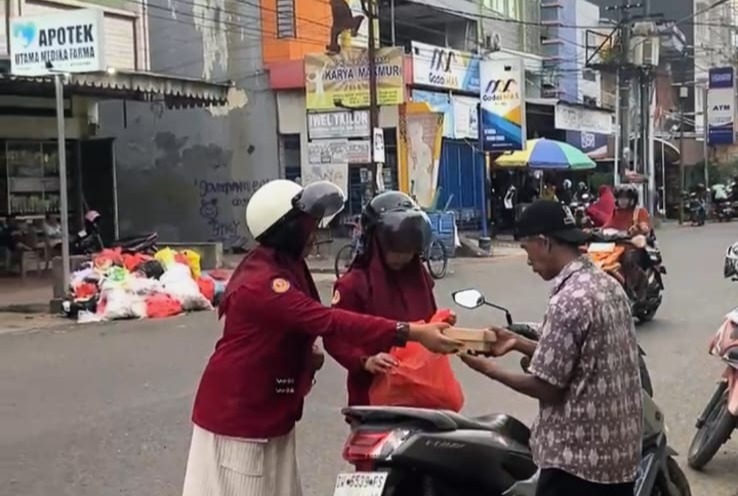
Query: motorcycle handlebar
point(523, 330)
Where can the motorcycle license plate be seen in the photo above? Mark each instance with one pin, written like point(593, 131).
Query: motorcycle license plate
point(643, 469)
point(360, 484)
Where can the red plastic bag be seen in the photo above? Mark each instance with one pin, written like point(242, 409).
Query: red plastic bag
point(207, 287)
point(133, 260)
point(421, 379)
point(161, 305)
point(107, 258)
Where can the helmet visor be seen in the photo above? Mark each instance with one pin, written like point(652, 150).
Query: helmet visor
point(320, 199)
point(404, 231)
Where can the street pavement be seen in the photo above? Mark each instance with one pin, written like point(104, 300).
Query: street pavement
point(103, 410)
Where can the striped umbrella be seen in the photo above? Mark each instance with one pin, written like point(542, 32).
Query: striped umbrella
point(543, 153)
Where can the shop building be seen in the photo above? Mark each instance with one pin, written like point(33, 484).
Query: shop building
point(29, 181)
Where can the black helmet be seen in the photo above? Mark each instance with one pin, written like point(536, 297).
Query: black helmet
point(627, 191)
point(397, 222)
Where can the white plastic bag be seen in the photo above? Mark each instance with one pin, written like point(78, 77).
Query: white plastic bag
point(120, 303)
point(177, 282)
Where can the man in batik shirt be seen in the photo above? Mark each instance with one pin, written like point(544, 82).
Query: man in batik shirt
point(584, 369)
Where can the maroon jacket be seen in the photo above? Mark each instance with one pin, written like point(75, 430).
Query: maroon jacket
point(256, 380)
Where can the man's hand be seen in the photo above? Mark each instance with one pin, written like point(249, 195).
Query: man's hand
point(381, 363)
point(431, 337)
point(478, 363)
point(318, 358)
point(506, 342)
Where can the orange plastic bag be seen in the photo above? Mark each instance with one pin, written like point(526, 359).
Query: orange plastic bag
point(159, 306)
point(421, 379)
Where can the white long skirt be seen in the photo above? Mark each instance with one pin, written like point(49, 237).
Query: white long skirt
point(227, 466)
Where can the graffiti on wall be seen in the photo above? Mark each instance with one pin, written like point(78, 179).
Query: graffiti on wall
point(223, 207)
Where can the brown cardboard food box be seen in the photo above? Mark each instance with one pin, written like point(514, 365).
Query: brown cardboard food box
point(474, 339)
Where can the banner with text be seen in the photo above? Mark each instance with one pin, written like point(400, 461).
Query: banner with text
point(721, 106)
point(445, 68)
point(503, 105)
point(342, 80)
point(71, 41)
point(419, 150)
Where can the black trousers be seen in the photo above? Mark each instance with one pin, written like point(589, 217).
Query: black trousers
point(554, 482)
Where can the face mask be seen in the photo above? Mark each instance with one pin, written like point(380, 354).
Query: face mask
point(623, 203)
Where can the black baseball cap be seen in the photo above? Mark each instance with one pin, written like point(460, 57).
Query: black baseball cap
point(550, 218)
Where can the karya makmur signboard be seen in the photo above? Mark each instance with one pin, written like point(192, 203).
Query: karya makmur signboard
point(71, 41)
point(721, 106)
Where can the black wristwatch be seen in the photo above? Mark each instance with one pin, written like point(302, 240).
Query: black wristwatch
point(402, 334)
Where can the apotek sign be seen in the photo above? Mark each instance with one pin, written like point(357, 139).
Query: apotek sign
point(445, 68)
point(721, 106)
point(71, 41)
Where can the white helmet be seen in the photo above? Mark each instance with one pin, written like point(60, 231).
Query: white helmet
point(278, 200)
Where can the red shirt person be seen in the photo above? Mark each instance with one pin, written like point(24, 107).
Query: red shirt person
point(602, 210)
point(386, 279)
point(252, 390)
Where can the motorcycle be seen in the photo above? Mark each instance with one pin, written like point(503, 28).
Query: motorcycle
point(579, 207)
point(724, 211)
point(695, 210)
point(400, 451)
point(606, 250)
point(88, 241)
point(716, 423)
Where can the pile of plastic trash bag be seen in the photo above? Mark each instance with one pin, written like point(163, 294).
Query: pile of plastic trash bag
point(116, 285)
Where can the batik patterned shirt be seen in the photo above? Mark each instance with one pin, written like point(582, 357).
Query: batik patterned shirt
point(588, 349)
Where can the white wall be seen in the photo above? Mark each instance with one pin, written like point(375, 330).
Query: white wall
point(588, 14)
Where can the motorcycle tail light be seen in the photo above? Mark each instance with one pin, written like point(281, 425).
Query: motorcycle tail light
point(364, 447)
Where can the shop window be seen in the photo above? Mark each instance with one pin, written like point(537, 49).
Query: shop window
point(286, 27)
point(29, 177)
point(290, 145)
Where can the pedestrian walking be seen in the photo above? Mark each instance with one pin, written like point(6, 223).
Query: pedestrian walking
point(252, 390)
point(583, 370)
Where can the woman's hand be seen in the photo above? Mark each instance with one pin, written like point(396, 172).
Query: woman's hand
point(317, 358)
point(451, 319)
point(381, 363)
point(431, 337)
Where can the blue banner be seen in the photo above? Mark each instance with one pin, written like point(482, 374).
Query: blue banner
point(503, 105)
point(721, 106)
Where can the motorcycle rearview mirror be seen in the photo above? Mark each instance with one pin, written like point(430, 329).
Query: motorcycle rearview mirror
point(473, 298)
point(468, 298)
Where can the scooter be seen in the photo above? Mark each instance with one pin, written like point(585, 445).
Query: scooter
point(419, 452)
point(716, 423)
point(607, 248)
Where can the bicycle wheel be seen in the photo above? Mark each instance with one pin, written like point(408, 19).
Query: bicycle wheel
point(437, 259)
point(344, 257)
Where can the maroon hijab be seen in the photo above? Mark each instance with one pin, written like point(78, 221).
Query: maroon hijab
point(601, 211)
point(404, 295)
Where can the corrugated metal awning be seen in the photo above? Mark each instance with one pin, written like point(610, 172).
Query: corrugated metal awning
point(175, 91)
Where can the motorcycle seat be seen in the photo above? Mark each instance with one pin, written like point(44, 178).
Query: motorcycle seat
point(500, 423)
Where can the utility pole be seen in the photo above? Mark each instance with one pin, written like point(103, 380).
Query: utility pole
point(624, 78)
point(369, 7)
point(705, 134)
point(683, 95)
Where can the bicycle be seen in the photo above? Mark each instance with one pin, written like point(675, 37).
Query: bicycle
point(346, 254)
point(435, 257)
point(436, 253)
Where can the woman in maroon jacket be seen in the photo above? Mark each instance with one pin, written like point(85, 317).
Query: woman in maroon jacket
point(387, 279)
point(252, 390)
